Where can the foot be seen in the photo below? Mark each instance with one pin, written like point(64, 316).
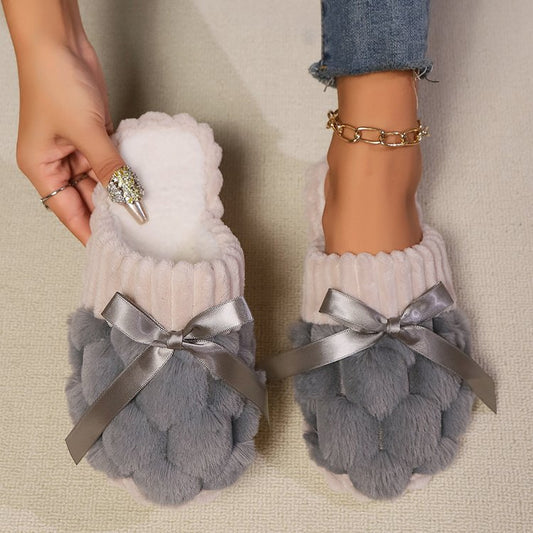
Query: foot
point(385, 420)
point(370, 189)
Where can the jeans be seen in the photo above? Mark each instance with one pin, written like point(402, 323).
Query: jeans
point(360, 36)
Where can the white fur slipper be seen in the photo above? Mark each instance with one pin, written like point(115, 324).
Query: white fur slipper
point(187, 431)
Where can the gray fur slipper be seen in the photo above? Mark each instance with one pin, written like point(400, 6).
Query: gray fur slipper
point(188, 432)
point(386, 420)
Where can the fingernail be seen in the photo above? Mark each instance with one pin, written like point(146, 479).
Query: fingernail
point(137, 211)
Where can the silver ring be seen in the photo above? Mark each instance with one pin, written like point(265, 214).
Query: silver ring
point(44, 199)
point(72, 182)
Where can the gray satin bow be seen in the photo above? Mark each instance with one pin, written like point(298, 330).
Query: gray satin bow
point(197, 338)
point(365, 326)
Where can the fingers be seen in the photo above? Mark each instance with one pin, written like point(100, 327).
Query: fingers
point(83, 177)
point(104, 159)
point(101, 153)
point(73, 205)
point(79, 165)
point(109, 125)
point(85, 188)
point(71, 209)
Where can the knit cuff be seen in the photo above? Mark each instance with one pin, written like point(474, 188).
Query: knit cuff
point(172, 292)
point(388, 282)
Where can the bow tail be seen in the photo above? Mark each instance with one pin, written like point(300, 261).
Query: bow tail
point(198, 338)
point(440, 351)
point(114, 398)
point(322, 352)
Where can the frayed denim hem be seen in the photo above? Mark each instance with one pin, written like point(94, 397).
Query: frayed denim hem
point(327, 75)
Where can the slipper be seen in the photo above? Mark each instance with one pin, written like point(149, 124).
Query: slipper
point(187, 433)
point(384, 421)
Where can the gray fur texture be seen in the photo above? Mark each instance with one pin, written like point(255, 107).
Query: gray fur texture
point(387, 414)
point(184, 432)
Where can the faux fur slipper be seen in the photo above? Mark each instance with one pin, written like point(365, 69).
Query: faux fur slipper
point(386, 419)
point(186, 433)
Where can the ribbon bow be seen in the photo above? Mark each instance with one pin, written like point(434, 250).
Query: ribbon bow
point(365, 326)
point(197, 338)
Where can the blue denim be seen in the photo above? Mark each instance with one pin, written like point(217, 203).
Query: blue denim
point(360, 36)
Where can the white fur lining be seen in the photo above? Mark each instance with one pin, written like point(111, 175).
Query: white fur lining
point(184, 259)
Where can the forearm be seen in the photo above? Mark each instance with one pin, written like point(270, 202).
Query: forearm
point(38, 23)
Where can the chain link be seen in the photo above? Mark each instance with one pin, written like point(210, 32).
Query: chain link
point(406, 138)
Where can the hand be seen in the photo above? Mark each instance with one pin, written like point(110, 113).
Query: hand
point(63, 132)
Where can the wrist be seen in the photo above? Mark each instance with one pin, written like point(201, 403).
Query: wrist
point(36, 25)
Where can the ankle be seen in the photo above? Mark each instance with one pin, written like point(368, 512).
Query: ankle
point(370, 190)
point(355, 169)
point(370, 198)
point(370, 222)
point(385, 99)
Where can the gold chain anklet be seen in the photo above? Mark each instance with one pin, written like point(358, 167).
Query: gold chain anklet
point(406, 138)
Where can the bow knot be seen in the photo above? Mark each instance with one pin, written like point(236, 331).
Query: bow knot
point(393, 326)
point(366, 326)
point(198, 337)
point(171, 339)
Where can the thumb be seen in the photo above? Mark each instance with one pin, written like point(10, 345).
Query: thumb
point(104, 159)
point(101, 153)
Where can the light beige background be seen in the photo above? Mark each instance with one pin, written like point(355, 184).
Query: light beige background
point(242, 67)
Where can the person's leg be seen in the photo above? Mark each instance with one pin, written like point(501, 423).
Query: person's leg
point(370, 189)
point(371, 52)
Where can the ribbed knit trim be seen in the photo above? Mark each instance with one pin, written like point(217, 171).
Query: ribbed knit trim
point(172, 292)
point(386, 281)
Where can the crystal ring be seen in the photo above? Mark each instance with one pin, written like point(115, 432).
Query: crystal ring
point(125, 188)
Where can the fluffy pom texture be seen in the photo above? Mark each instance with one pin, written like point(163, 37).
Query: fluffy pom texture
point(385, 415)
point(184, 432)
point(385, 421)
